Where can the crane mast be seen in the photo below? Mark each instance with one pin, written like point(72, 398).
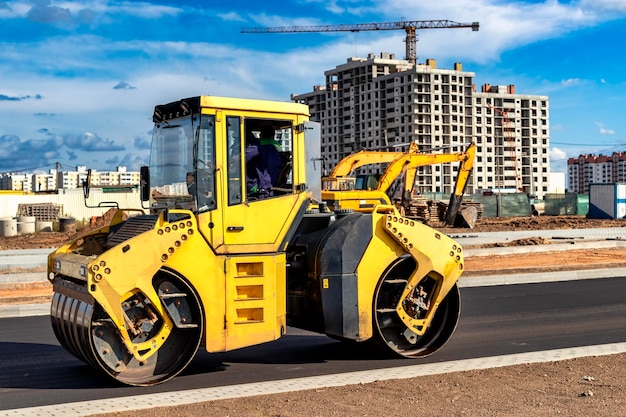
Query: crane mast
point(409, 26)
point(508, 136)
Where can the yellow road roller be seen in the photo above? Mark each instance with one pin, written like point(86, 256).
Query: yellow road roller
point(231, 243)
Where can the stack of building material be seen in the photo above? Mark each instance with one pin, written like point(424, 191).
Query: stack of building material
point(418, 209)
point(43, 212)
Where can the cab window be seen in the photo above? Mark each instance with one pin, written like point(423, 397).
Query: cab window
point(268, 158)
point(233, 151)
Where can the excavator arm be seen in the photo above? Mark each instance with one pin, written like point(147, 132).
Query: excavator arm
point(367, 157)
point(408, 163)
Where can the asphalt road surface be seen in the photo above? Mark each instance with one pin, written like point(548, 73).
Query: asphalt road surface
point(36, 371)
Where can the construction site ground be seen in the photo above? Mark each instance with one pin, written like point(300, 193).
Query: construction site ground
point(578, 387)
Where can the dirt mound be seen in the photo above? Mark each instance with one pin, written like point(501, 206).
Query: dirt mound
point(539, 223)
point(529, 241)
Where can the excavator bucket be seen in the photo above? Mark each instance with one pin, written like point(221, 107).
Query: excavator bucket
point(468, 215)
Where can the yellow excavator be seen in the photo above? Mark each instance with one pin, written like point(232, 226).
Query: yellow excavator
point(340, 190)
point(210, 259)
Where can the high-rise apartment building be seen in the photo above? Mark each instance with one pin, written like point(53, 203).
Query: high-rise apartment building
point(512, 137)
point(380, 102)
point(592, 169)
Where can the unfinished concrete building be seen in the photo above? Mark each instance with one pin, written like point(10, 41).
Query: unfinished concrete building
point(381, 102)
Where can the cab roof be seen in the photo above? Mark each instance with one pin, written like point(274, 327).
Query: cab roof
point(191, 105)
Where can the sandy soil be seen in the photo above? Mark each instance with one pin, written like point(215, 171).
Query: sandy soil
point(580, 387)
point(542, 223)
point(524, 263)
point(54, 239)
point(507, 264)
point(546, 261)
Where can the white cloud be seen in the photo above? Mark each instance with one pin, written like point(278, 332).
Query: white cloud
point(603, 130)
point(11, 10)
point(231, 16)
point(69, 12)
point(155, 72)
point(503, 25)
point(265, 20)
point(604, 5)
point(557, 154)
point(571, 82)
point(141, 9)
point(346, 7)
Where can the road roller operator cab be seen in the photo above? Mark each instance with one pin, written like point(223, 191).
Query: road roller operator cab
point(233, 243)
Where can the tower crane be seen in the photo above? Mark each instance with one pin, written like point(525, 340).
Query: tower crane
point(409, 26)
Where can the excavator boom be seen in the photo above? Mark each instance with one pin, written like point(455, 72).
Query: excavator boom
point(409, 162)
point(367, 157)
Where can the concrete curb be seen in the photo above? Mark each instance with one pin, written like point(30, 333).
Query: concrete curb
point(24, 310)
point(539, 277)
point(22, 278)
point(194, 396)
point(13, 252)
point(557, 247)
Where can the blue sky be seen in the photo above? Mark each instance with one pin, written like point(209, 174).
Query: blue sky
point(79, 79)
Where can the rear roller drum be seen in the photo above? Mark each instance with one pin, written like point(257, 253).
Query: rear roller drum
point(96, 340)
point(392, 333)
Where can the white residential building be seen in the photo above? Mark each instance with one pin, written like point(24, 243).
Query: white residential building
point(55, 180)
point(45, 182)
point(15, 182)
point(73, 179)
point(593, 169)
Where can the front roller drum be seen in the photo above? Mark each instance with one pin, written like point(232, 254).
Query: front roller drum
point(392, 333)
point(85, 330)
